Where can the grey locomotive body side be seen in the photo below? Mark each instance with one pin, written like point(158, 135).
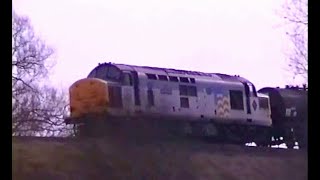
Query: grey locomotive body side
point(171, 94)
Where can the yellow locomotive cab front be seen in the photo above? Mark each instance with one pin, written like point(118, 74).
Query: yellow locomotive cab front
point(88, 96)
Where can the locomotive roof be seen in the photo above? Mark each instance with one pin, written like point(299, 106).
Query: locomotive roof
point(171, 71)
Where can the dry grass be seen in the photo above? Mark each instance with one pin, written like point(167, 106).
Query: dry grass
point(103, 159)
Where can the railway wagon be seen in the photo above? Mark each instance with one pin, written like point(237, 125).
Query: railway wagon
point(289, 107)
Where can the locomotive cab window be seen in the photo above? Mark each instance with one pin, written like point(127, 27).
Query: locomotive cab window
point(107, 72)
point(236, 100)
point(101, 72)
point(113, 73)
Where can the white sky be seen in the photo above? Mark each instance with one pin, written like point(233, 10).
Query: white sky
point(226, 36)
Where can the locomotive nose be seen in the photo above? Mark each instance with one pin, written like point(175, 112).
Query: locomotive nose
point(89, 95)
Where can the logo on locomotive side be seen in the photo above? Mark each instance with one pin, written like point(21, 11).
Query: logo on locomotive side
point(254, 105)
point(223, 104)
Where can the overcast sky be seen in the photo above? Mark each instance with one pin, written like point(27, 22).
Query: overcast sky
point(227, 36)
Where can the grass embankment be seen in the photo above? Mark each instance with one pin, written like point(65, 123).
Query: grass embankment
point(104, 159)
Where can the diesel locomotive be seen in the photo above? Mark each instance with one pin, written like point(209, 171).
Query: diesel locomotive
point(120, 97)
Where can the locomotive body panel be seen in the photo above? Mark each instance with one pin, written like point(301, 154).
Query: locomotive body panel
point(203, 99)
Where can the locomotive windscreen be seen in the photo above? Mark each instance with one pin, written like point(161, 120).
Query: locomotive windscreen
point(106, 72)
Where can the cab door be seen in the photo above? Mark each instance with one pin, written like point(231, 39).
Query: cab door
point(128, 92)
point(252, 104)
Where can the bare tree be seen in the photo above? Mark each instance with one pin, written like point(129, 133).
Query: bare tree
point(36, 110)
point(41, 114)
point(296, 16)
point(30, 55)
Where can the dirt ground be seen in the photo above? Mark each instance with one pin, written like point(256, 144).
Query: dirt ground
point(107, 159)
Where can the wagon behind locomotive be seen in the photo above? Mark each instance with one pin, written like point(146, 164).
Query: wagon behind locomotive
point(289, 107)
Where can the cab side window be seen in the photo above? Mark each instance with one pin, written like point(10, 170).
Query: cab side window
point(236, 100)
point(127, 79)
